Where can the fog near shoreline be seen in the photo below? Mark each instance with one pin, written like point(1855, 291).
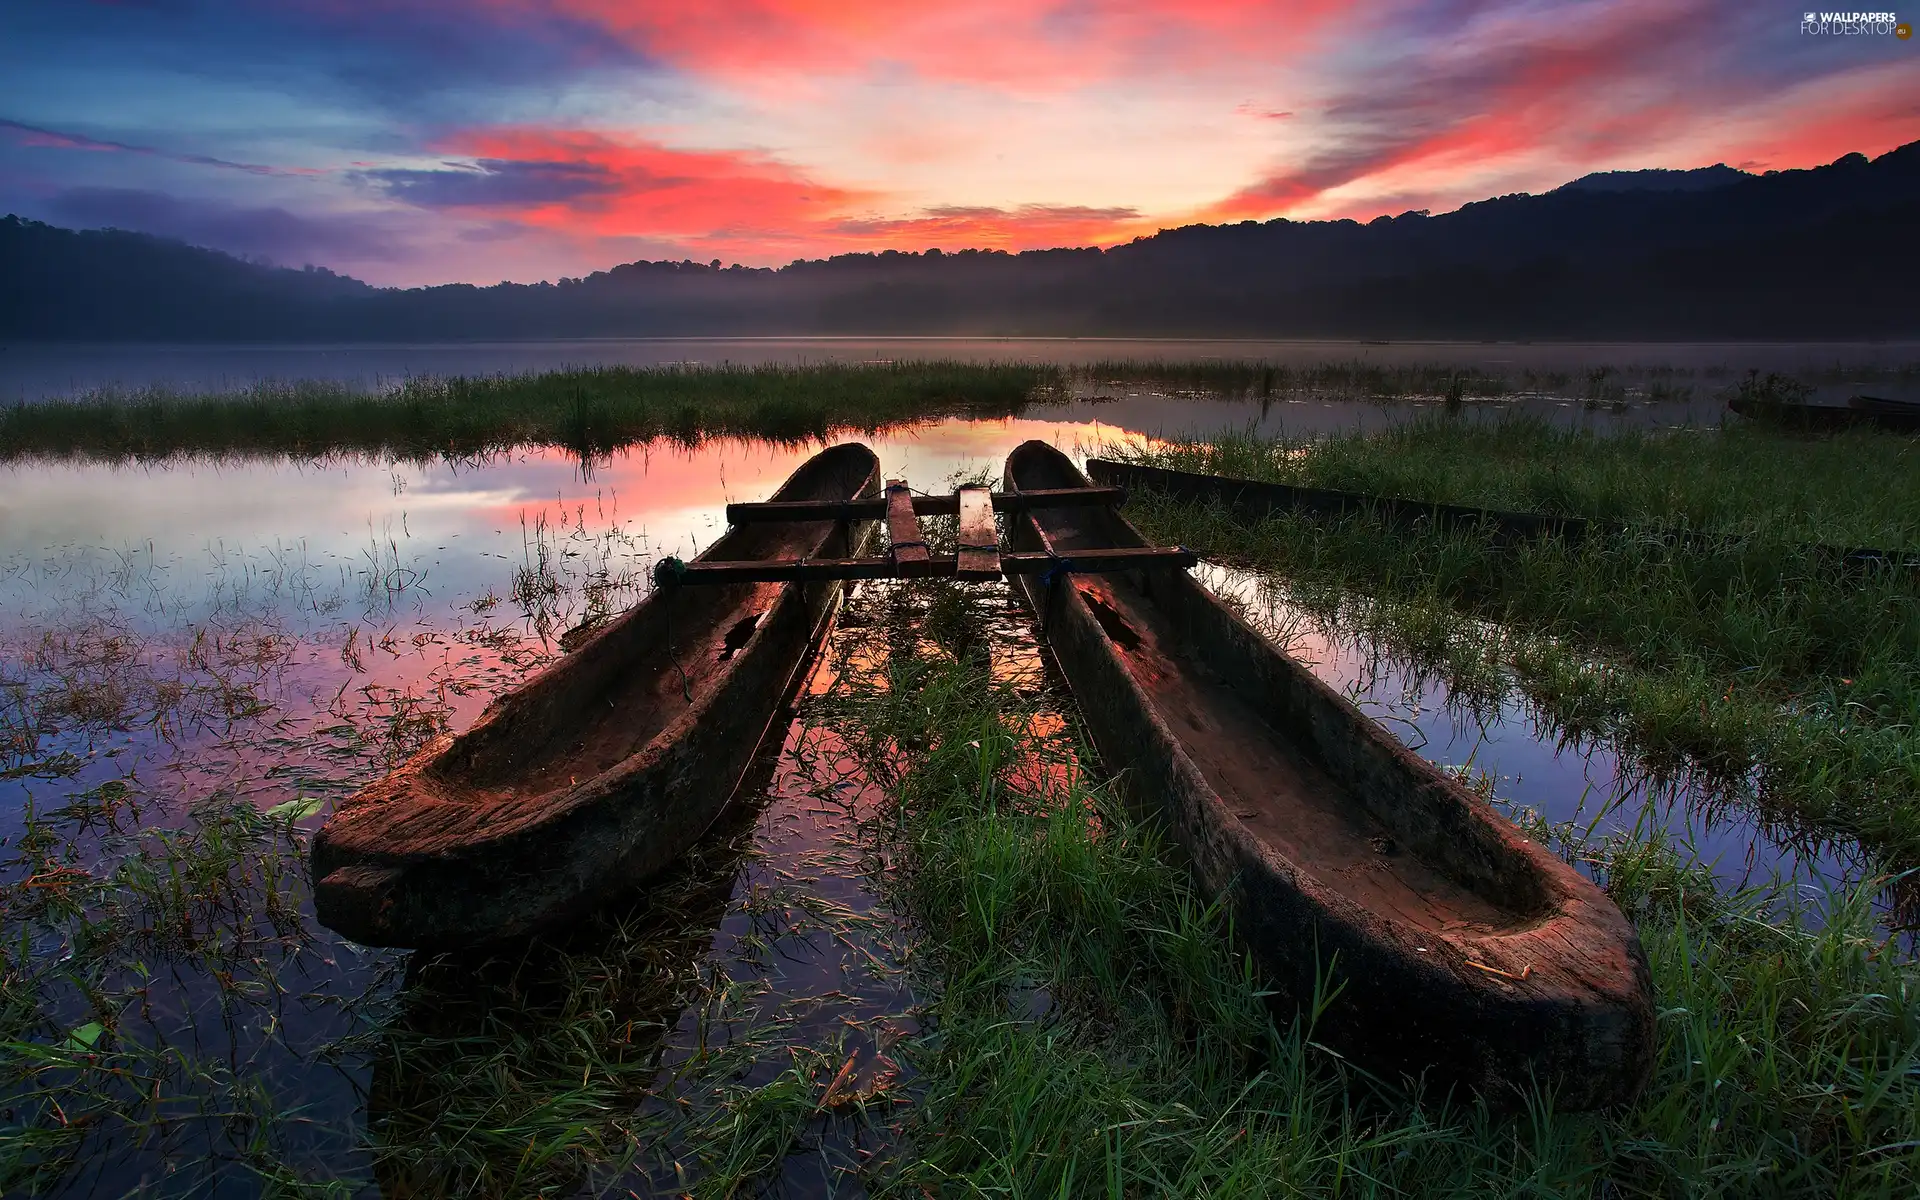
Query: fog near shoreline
point(36, 371)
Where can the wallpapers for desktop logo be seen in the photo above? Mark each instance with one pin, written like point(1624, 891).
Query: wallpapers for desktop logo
point(1854, 24)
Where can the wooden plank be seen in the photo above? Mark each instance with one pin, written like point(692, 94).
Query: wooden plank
point(785, 570)
point(1087, 497)
point(1100, 562)
point(978, 540)
point(923, 506)
point(908, 548)
point(1081, 562)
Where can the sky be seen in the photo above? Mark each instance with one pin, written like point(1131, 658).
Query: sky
point(424, 141)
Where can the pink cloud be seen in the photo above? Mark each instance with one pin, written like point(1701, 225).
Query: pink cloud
point(1536, 98)
point(736, 203)
point(615, 187)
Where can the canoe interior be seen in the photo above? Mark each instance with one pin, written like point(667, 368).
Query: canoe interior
point(1323, 802)
point(601, 771)
point(607, 700)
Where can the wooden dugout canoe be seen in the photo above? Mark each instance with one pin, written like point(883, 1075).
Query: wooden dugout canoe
point(1465, 952)
point(597, 773)
point(1899, 416)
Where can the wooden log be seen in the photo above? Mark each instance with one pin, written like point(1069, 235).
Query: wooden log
point(1423, 932)
point(1082, 562)
point(923, 506)
point(978, 540)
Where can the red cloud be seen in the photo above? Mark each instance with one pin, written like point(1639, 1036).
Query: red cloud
point(731, 202)
point(637, 188)
point(1564, 91)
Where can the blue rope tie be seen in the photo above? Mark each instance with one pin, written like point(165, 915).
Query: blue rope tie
point(1060, 566)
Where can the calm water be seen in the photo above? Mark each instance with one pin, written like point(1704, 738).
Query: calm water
point(273, 634)
point(35, 371)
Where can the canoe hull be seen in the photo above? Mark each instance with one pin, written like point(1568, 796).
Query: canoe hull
point(1408, 1002)
point(430, 858)
point(1891, 415)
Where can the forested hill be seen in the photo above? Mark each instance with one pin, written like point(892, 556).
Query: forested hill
point(1829, 252)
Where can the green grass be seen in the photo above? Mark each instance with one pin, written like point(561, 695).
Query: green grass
point(1861, 488)
point(590, 412)
point(1787, 1061)
point(1747, 649)
point(1358, 378)
point(1084, 1024)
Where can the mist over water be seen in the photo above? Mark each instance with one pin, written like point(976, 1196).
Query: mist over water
point(35, 371)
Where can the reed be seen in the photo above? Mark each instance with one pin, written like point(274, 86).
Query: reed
point(1852, 489)
point(1094, 1031)
point(1745, 655)
point(589, 411)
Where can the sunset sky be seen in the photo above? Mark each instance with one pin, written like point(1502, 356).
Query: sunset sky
point(416, 141)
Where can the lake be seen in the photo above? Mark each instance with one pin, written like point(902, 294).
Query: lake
point(186, 644)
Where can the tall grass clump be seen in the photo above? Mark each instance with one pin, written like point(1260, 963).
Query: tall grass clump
point(1354, 380)
point(1858, 488)
point(1092, 1030)
point(1744, 651)
point(589, 411)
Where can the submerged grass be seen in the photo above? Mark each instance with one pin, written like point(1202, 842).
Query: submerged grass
point(1084, 1025)
point(589, 411)
point(1092, 1030)
point(1360, 379)
point(1858, 488)
point(1745, 655)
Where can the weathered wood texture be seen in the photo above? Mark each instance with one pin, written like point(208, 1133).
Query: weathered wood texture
point(1895, 415)
point(1463, 952)
point(977, 540)
point(758, 512)
point(906, 545)
point(603, 769)
point(1091, 562)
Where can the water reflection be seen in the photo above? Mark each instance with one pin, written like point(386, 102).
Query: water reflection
point(1532, 763)
point(184, 648)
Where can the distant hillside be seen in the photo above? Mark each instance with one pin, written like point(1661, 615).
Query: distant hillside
point(1716, 253)
point(108, 284)
point(1699, 179)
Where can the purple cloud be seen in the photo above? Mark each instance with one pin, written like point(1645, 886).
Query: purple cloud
point(33, 135)
point(493, 182)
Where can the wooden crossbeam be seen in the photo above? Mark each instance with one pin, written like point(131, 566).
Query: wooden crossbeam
point(760, 512)
point(1080, 562)
point(908, 549)
point(978, 541)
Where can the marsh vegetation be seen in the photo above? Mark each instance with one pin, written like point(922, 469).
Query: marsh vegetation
point(934, 950)
point(1745, 654)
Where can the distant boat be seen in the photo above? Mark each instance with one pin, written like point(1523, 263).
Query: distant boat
point(1902, 416)
point(1464, 951)
point(1880, 408)
point(603, 769)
